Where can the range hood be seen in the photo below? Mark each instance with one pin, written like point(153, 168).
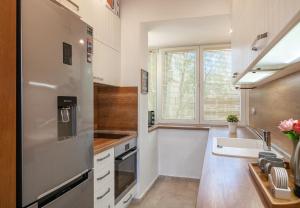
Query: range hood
point(276, 60)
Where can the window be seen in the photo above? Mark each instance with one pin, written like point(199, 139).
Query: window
point(178, 98)
point(174, 91)
point(219, 97)
point(152, 69)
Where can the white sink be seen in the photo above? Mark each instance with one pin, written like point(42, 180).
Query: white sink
point(239, 147)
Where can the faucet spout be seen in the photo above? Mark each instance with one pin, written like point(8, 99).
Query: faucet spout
point(267, 140)
point(265, 136)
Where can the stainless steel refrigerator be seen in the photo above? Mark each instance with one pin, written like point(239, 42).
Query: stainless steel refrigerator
point(56, 142)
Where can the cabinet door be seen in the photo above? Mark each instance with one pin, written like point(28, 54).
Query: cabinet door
point(106, 64)
point(241, 25)
point(279, 13)
point(251, 18)
point(107, 26)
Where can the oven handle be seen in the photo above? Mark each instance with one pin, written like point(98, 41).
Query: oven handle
point(127, 155)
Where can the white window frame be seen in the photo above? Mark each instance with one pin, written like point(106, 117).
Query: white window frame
point(244, 93)
point(154, 50)
point(159, 86)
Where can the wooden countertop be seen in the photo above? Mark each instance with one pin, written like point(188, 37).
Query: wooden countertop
point(102, 144)
point(226, 181)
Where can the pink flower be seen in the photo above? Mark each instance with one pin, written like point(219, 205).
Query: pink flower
point(287, 125)
point(297, 127)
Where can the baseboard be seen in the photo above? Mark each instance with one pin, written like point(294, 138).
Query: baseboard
point(141, 196)
point(180, 178)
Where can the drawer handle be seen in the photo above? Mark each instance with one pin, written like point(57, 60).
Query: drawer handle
point(259, 37)
point(104, 176)
point(126, 201)
point(103, 158)
point(103, 195)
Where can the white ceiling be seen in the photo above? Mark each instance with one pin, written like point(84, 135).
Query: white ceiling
point(190, 31)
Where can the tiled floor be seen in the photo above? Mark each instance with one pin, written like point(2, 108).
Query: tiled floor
point(170, 192)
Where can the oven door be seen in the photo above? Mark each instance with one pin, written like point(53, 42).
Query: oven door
point(125, 173)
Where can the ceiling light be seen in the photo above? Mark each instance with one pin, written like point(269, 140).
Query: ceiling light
point(257, 76)
point(81, 41)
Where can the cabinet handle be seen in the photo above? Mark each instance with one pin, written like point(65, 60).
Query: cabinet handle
point(258, 37)
point(126, 201)
point(103, 195)
point(74, 4)
point(99, 78)
point(70, 1)
point(104, 176)
point(234, 75)
point(127, 155)
point(103, 158)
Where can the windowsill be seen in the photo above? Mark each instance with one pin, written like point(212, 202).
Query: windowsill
point(182, 126)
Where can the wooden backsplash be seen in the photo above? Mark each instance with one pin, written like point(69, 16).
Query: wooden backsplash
point(276, 101)
point(115, 108)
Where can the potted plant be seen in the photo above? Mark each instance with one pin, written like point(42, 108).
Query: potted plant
point(232, 123)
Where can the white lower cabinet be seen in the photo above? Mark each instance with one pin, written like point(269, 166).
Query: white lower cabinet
point(104, 190)
point(125, 201)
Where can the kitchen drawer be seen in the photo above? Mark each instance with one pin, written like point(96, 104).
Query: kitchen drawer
point(125, 201)
point(104, 178)
point(104, 159)
point(104, 198)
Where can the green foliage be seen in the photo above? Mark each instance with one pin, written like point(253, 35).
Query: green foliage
point(232, 118)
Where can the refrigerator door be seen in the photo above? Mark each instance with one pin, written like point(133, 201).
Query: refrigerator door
point(81, 196)
point(57, 96)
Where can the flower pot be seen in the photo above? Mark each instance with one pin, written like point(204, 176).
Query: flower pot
point(296, 159)
point(232, 127)
point(292, 160)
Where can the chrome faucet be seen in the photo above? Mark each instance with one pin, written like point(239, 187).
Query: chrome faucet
point(265, 136)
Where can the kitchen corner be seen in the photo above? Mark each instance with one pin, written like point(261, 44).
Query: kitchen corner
point(115, 145)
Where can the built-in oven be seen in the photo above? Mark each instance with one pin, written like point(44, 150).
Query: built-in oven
point(125, 168)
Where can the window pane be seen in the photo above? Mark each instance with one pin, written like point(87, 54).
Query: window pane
point(178, 85)
point(220, 96)
point(152, 69)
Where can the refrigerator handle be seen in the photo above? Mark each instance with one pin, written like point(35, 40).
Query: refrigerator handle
point(48, 198)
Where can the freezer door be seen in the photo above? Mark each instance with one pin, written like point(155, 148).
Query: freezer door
point(54, 66)
point(80, 196)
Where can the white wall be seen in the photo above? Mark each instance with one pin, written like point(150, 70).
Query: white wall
point(148, 163)
point(134, 48)
point(136, 12)
point(181, 152)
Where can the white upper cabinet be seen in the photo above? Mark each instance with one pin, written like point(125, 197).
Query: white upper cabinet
point(106, 64)
point(251, 21)
point(107, 41)
point(107, 26)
